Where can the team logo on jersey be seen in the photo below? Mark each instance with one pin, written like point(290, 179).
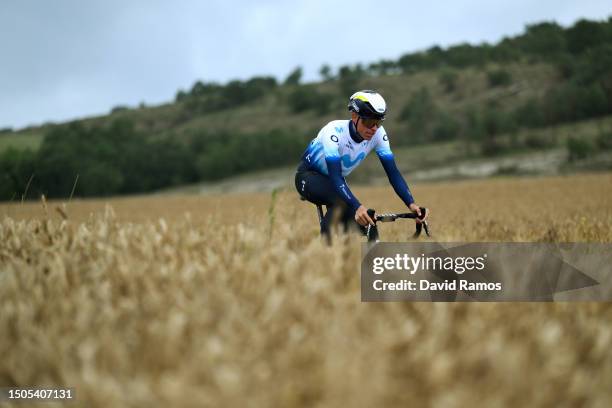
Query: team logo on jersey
point(348, 163)
point(339, 129)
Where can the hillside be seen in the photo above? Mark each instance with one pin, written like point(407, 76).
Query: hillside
point(488, 100)
point(273, 110)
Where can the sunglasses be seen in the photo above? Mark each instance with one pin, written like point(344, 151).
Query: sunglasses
point(370, 123)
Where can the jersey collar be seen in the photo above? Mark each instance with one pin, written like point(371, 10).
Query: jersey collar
point(353, 132)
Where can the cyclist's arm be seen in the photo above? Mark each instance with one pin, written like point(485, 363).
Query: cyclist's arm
point(334, 169)
point(383, 151)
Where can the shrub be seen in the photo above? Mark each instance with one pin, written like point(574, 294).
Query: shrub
point(419, 112)
point(446, 127)
point(119, 108)
point(304, 98)
point(604, 140)
point(578, 149)
point(496, 121)
point(499, 77)
point(570, 102)
point(448, 80)
point(534, 141)
point(301, 99)
point(492, 146)
point(529, 114)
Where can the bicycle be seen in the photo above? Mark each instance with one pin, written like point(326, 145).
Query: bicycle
point(371, 232)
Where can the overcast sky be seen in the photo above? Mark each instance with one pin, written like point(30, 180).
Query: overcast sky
point(66, 59)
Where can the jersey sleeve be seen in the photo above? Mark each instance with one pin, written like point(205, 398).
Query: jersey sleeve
point(330, 141)
point(331, 149)
point(383, 151)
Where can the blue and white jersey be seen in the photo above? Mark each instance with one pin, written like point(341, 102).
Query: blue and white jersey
point(337, 151)
point(334, 142)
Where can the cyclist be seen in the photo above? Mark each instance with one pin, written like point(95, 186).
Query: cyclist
point(337, 150)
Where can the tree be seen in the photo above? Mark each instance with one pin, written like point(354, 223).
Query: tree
point(198, 89)
point(594, 68)
point(294, 77)
point(349, 79)
point(544, 39)
point(420, 112)
point(257, 87)
point(307, 97)
point(119, 108)
point(411, 63)
point(326, 72)
point(382, 67)
point(180, 95)
point(16, 169)
point(506, 50)
point(585, 34)
point(464, 55)
point(99, 178)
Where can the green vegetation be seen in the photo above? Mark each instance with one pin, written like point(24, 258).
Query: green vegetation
point(20, 141)
point(205, 98)
point(487, 99)
point(604, 140)
point(579, 149)
point(305, 98)
point(499, 77)
point(448, 80)
point(118, 159)
point(294, 77)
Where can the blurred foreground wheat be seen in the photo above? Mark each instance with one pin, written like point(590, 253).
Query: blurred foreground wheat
point(152, 307)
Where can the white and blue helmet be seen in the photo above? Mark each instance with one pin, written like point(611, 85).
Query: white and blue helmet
point(368, 104)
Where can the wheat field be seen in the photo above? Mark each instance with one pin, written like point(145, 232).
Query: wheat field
point(233, 300)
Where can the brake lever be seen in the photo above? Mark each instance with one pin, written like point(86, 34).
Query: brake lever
point(426, 226)
point(422, 224)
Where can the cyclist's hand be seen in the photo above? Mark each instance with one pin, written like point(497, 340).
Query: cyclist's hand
point(362, 217)
point(416, 209)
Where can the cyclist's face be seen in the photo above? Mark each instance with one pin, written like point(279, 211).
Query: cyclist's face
point(371, 123)
point(366, 127)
